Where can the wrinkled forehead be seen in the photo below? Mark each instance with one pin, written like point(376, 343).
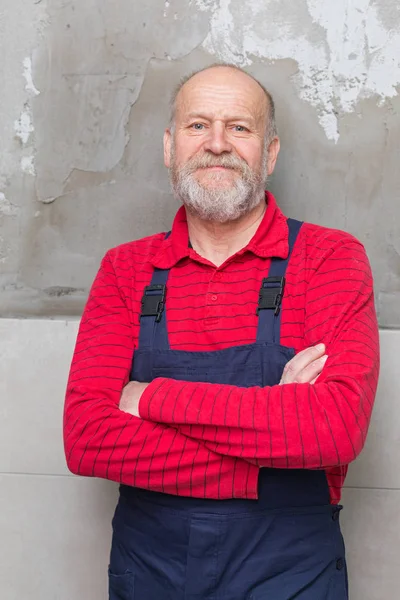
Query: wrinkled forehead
point(221, 93)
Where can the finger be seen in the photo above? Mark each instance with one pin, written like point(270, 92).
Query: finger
point(305, 357)
point(312, 371)
point(301, 361)
point(316, 378)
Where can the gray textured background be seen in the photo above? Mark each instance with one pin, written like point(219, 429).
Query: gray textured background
point(84, 89)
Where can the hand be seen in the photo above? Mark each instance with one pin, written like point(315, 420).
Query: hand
point(306, 366)
point(130, 397)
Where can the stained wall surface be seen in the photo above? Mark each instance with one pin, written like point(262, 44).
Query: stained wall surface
point(84, 101)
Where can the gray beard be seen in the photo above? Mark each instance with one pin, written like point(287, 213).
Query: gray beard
point(219, 205)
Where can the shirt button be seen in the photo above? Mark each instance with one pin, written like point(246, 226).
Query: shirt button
point(339, 564)
point(214, 298)
point(217, 276)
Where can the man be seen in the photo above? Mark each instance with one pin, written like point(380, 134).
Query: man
point(255, 363)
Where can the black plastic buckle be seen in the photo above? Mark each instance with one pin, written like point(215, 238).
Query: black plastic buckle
point(271, 294)
point(153, 301)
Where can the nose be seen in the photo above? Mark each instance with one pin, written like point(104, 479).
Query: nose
point(217, 141)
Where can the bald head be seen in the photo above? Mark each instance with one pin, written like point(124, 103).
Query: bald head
point(234, 80)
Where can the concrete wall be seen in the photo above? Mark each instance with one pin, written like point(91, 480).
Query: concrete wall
point(83, 103)
point(84, 100)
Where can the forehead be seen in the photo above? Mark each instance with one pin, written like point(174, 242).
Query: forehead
point(221, 92)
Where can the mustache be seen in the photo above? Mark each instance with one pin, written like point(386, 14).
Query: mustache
point(228, 161)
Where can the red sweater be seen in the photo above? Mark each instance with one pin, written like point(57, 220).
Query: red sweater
point(209, 440)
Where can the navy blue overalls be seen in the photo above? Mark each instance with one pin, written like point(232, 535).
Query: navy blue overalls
point(285, 545)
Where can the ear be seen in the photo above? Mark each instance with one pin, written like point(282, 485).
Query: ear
point(273, 151)
point(167, 148)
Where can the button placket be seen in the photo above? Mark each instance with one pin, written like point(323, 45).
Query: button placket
point(212, 298)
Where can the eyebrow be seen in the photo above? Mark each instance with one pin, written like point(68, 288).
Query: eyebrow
point(198, 115)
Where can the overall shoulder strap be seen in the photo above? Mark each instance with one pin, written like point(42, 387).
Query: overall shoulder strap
point(272, 291)
point(153, 323)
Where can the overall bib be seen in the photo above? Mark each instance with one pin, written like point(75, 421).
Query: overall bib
point(286, 545)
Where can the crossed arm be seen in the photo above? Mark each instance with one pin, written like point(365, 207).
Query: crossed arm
point(190, 432)
point(308, 422)
point(305, 367)
point(246, 432)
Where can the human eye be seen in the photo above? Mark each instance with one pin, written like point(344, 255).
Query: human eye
point(240, 128)
point(197, 126)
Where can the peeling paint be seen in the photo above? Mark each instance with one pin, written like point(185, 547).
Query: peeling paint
point(23, 126)
point(356, 58)
point(30, 86)
point(206, 5)
point(49, 200)
point(27, 165)
point(7, 208)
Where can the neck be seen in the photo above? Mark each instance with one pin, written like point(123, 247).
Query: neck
point(218, 241)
